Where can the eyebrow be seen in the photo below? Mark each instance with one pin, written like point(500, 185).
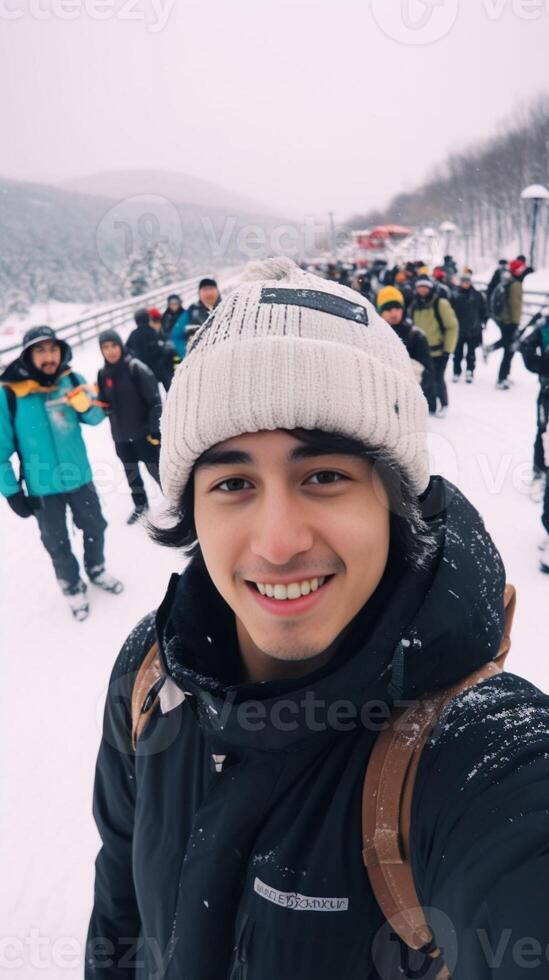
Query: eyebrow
point(235, 457)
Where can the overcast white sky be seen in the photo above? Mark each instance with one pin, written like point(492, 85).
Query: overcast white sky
point(307, 106)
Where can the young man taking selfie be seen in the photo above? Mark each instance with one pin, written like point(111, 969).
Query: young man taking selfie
point(330, 580)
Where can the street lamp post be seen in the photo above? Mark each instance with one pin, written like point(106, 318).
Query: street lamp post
point(535, 193)
point(447, 228)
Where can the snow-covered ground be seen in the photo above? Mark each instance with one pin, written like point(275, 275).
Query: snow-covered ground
point(55, 670)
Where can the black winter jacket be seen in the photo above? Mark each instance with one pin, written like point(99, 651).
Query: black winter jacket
point(197, 313)
point(131, 392)
point(535, 350)
point(470, 308)
point(255, 872)
point(154, 350)
point(417, 345)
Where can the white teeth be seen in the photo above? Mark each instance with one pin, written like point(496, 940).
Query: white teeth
point(292, 591)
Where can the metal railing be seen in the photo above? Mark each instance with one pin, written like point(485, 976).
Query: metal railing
point(115, 317)
point(119, 315)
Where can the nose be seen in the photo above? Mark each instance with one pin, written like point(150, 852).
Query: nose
point(281, 529)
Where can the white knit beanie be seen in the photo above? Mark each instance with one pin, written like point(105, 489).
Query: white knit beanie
point(286, 350)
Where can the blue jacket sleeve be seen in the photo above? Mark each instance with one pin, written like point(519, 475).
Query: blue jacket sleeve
point(8, 479)
point(480, 832)
point(177, 336)
point(115, 922)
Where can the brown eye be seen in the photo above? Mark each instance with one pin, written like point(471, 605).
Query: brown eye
point(326, 476)
point(233, 484)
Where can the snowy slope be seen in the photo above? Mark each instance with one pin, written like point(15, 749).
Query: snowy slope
point(56, 670)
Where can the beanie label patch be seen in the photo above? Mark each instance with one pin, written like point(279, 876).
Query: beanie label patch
point(315, 299)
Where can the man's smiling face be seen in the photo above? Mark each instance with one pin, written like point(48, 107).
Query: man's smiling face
point(46, 356)
point(274, 515)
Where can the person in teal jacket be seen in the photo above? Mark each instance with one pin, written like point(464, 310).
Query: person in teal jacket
point(42, 406)
point(197, 314)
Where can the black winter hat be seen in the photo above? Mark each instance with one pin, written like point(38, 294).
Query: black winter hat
point(111, 336)
point(174, 296)
point(207, 281)
point(141, 317)
point(36, 334)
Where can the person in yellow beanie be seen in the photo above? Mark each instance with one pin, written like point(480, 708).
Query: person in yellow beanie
point(392, 307)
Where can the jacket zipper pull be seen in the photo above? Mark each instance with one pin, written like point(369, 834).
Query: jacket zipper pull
point(153, 693)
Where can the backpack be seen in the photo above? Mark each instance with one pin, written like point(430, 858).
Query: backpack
point(438, 317)
point(498, 300)
point(387, 791)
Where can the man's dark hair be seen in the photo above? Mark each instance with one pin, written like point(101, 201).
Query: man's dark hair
point(410, 538)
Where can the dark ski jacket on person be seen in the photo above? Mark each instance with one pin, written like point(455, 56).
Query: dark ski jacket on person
point(130, 390)
point(450, 268)
point(249, 865)
point(535, 352)
point(417, 346)
point(495, 280)
point(470, 309)
point(187, 325)
point(151, 348)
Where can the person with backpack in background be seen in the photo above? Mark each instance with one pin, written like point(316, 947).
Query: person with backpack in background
point(470, 308)
point(43, 404)
point(450, 269)
point(251, 726)
point(170, 358)
point(193, 318)
point(535, 352)
point(434, 315)
point(506, 309)
point(502, 266)
point(171, 314)
point(391, 305)
point(150, 347)
point(129, 392)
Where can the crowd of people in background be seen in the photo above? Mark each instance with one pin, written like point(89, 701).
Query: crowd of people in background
point(439, 316)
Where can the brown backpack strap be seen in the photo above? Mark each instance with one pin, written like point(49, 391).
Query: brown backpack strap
point(387, 801)
point(149, 674)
